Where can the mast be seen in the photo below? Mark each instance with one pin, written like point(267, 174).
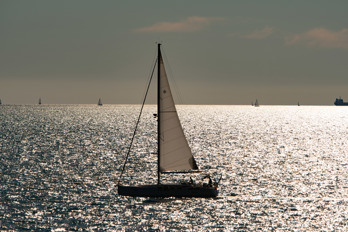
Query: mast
point(158, 112)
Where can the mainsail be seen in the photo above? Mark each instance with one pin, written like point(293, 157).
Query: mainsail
point(175, 153)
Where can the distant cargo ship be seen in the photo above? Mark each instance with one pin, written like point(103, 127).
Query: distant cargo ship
point(340, 102)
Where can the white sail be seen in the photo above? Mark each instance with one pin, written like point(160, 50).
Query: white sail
point(175, 153)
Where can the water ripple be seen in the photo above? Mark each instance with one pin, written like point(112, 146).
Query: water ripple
point(284, 168)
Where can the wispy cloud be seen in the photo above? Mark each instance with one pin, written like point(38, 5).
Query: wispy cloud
point(320, 37)
point(189, 24)
point(259, 34)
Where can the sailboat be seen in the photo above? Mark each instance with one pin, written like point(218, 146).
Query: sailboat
point(256, 103)
point(298, 103)
point(100, 102)
point(0, 102)
point(173, 152)
point(40, 101)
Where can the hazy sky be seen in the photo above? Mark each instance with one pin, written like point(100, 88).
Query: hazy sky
point(219, 52)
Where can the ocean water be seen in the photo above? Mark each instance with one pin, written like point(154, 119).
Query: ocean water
point(284, 168)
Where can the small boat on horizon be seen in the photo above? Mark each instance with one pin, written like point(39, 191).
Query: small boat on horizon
point(340, 102)
point(100, 102)
point(173, 152)
point(40, 101)
point(256, 103)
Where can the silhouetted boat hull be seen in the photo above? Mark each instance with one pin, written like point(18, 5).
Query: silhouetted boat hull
point(168, 190)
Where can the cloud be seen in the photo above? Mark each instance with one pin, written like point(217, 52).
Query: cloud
point(320, 37)
point(187, 25)
point(259, 34)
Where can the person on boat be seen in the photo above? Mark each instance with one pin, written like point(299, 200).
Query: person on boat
point(210, 183)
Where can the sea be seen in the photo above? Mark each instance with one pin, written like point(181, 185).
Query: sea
point(282, 168)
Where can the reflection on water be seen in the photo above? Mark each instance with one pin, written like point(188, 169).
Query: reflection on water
point(59, 167)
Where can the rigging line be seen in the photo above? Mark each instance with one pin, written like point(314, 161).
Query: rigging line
point(150, 75)
point(136, 125)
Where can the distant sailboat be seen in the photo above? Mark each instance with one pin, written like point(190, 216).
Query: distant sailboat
point(298, 103)
point(40, 101)
point(100, 102)
point(174, 154)
point(256, 103)
point(0, 102)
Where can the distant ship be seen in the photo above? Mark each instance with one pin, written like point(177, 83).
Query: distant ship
point(100, 102)
point(40, 101)
point(340, 102)
point(0, 102)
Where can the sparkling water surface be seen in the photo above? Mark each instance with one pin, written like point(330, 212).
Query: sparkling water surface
point(60, 165)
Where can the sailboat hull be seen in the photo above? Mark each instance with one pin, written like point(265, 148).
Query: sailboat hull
point(168, 190)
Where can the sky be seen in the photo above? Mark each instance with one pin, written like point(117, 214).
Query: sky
point(217, 52)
